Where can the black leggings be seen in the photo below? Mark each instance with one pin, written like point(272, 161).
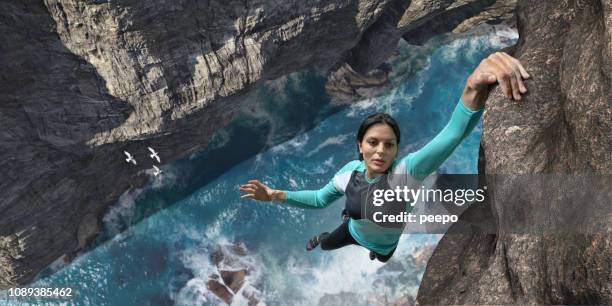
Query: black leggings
point(341, 237)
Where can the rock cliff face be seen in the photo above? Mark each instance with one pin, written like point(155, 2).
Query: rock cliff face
point(546, 246)
point(83, 81)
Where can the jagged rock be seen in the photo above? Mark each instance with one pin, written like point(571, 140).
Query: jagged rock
point(220, 291)
point(239, 249)
point(426, 19)
point(233, 268)
point(217, 256)
point(419, 20)
point(233, 279)
point(253, 300)
point(83, 81)
point(416, 21)
point(422, 255)
point(546, 246)
point(347, 85)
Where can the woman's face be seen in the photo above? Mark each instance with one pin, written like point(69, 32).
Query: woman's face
point(379, 148)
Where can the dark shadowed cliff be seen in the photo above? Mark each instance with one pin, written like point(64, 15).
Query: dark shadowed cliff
point(543, 235)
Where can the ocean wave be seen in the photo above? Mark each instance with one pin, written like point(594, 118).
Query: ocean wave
point(122, 213)
point(291, 146)
point(330, 141)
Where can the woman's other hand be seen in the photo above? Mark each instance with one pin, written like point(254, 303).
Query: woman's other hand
point(498, 67)
point(258, 191)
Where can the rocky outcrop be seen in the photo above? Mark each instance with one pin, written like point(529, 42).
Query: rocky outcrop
point(452, 16)
point(546, 162)
point(347, 85)
point(232, 270)
point(364, 74)
point(84, 81)
point(419, 20)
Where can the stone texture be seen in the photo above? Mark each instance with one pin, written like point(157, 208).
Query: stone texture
point(347, 85)
point(233, 279)
point(416, 22)
point(220, 291)
point(82, 81)
point(562, 129)
point(417, 26)
point(233, 274)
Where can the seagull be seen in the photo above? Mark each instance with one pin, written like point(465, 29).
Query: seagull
point(157, 171)
point(130, 158)
point(154, 154)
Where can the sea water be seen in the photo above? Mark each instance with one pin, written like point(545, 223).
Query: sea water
point(157, 244)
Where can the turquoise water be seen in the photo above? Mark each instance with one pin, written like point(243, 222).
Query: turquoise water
point(158, 241)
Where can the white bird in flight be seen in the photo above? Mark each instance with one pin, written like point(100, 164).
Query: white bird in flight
point(157, 171)
point(154, 154)
point(130, 158)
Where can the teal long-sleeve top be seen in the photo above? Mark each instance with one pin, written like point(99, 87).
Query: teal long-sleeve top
point(418, 164)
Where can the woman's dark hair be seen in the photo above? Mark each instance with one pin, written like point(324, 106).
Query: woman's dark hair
point(374, 119)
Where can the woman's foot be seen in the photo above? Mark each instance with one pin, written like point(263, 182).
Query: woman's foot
point(372, 255)
point(312, 243)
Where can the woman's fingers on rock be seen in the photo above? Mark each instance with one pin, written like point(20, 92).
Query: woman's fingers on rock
point(503, 79)
point(490, 78)
point(519, 71)
point(516, 93)
point(518, 88)
point(483, 79)
point(507, 76)
point(522, 69)
point(519, 67)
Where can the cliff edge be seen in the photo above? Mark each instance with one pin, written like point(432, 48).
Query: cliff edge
point(543, 235)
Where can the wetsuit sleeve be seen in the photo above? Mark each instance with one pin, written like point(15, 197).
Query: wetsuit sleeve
point(313, 198)
point(426, 160)
point(325, 196)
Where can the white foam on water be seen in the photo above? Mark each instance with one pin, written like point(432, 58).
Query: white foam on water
point(291, 146)
point(347, 270)
point(121, 213)
point(392, 101)
point(344, 270)
point(226, 216)
point(166, 178)
point(196, 292)
point(334, 140)
point(329, 163)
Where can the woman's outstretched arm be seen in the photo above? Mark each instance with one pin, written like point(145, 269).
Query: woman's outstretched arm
point(426, 160)
point(305, 198)
point(497, 68)
point(320, 198)
point(313, 198)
